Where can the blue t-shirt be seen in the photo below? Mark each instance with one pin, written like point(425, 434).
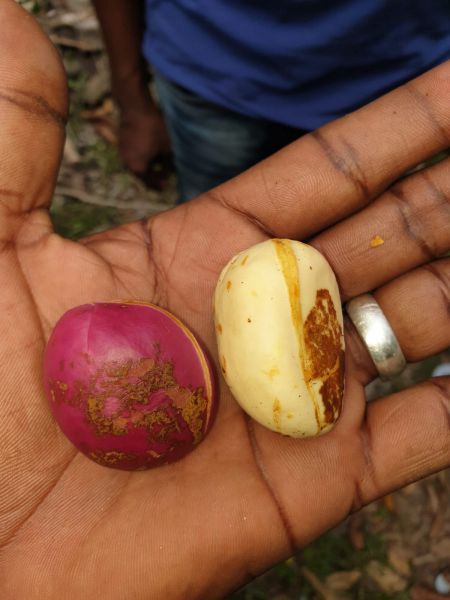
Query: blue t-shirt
point(297, 62)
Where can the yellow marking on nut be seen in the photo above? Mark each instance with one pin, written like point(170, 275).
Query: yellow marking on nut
point(277, 413)
point(272, 372)
point(289, 268)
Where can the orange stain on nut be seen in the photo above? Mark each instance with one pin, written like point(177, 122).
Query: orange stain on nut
point(325, 354)
point(229, 284)
point(276, 409)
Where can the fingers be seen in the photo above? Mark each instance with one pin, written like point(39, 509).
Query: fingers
point(334, 172)
point(32, 116)
point(404, 437)
point(417, 305)
point(407, 226)
point(408, 438)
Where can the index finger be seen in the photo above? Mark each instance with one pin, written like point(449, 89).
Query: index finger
point(341, 167)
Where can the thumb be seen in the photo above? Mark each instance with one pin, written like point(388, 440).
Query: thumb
point(33, 107)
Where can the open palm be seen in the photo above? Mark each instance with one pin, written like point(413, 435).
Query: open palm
point(246, 497)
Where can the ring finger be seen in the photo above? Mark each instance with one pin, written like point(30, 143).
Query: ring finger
point(417, 307)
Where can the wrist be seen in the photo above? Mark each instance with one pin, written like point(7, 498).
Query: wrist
point(131, 92)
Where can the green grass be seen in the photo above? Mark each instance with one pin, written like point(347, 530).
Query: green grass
point(105, 156)
point(38, 6)
point(77, 219)
point(333, 552)
point(330, 553)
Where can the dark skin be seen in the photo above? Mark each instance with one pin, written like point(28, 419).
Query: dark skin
point(246, 497)
point(142, 132)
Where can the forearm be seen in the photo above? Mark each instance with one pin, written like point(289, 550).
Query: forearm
point(122, 23)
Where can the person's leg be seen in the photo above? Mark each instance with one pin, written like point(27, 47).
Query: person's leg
point(212, 144)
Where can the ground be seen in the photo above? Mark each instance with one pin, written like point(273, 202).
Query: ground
point(392, 549)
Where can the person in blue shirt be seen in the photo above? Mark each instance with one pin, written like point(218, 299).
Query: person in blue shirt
point(238, 80)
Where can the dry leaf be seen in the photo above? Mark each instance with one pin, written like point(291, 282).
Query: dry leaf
point(386, 579)
point(423, 559)
point(412, 488)
point(71, 154)
point(441, 549)
point(68, 42)
point(433, 497)
point(107, 131)
point(388, 502)
point(355, 533)
point(399, 559)
point(324, 592)
point(106, 109)
point(342, 581)
point(437, 525)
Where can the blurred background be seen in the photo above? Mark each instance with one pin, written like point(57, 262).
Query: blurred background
point(397, 548)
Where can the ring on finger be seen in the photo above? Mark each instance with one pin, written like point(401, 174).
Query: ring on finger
point(377, 335)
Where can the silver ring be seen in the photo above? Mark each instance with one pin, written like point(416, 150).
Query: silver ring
point(377, 335)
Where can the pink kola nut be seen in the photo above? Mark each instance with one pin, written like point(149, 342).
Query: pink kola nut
point(128, 384)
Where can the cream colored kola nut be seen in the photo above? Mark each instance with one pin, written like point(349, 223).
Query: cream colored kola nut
point(279, 330)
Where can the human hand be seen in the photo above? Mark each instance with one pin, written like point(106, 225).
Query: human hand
point(246, 497)
point(143, 138)
point(142, 132)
